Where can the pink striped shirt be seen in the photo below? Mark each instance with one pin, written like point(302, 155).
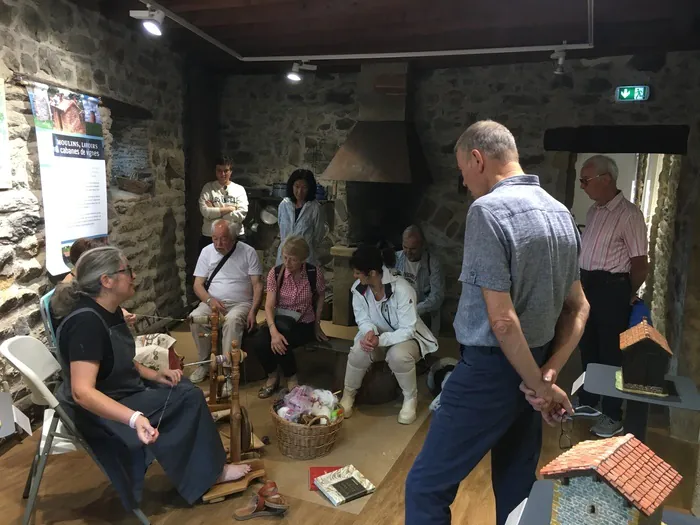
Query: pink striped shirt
point(614, 234)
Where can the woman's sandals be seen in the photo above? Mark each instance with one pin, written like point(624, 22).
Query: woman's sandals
point(267, 502)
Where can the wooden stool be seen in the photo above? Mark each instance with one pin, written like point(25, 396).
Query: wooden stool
point(379, 385)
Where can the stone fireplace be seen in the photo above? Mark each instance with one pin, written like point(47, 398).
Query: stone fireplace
point(383, 170)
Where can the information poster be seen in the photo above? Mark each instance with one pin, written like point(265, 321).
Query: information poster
point(73, 171)
point(5, 169)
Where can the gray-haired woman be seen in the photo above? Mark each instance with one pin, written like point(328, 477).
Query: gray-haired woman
point(128, 413)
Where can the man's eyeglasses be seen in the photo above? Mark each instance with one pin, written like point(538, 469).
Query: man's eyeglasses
point(589, 179)
point(128, 270)
point(567, 426)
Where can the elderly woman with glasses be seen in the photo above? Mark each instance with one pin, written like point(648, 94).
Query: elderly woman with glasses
point(129, 414)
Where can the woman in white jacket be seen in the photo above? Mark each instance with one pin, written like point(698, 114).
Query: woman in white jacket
point(300, 214)
point(389, 327)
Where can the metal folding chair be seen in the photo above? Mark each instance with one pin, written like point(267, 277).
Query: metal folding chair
point(35, 363)
point(46, 318)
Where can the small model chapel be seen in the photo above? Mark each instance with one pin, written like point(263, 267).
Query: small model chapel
point(616, 481)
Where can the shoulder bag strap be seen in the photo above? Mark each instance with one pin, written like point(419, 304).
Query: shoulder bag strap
point(223, 260)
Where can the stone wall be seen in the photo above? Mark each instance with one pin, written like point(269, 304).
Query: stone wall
point(661, 237)
point(77, 48)
point(129, 147)
point(271, 127)
point(573, 503)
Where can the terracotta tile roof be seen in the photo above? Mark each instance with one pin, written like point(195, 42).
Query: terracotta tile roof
point(640, 332)
point(626, 464)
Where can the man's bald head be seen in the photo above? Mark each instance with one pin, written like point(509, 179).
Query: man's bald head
point(413, 243)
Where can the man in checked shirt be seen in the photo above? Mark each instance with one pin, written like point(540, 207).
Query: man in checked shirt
point(614, 265)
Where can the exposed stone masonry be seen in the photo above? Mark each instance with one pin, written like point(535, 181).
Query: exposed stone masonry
point(265, 114)
point(78, 48)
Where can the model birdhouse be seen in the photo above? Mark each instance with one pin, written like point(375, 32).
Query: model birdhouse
point(616, 481)
point(645, 359)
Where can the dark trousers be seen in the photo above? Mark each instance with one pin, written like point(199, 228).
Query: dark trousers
point(299, 334)
point(481, 409)
point(609, 296)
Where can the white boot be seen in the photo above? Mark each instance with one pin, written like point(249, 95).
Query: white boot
point(348, 401)
point(353, 382)
point(409, 387)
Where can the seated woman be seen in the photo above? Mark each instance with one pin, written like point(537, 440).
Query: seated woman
point(300, 214)
point(388, 327)
point(129, 413)
point(79, 247)
point(295, 296)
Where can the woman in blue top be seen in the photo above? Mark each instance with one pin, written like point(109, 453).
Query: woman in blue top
point(300, 214)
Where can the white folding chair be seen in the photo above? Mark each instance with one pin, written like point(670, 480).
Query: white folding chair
point(58, 435)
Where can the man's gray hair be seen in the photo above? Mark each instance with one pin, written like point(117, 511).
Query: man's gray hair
point(492, 139)
point(414, 231)
point(232, 227)
point(603, 164)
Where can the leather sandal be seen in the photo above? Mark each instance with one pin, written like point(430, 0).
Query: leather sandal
point(256, 508)
point(267, 390)
point(272, 497)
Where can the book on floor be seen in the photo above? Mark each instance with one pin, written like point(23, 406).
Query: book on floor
point(315, 472)
point(344, 485)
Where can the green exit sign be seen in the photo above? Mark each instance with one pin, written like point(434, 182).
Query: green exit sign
point(631, 93)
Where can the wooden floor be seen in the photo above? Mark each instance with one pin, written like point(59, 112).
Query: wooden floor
point(74, 491)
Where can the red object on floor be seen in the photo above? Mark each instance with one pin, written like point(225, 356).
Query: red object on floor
point(315, 472)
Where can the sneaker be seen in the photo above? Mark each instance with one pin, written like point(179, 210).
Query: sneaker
point(606, 427)
point(200, 374)
point(584, 410)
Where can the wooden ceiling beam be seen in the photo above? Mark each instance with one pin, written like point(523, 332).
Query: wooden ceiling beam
point(608, 36)
point(187, 6)
point(395, 10)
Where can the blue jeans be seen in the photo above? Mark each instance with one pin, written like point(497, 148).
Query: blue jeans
point(481, 409)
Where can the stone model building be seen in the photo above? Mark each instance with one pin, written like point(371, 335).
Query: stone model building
point(616, 481)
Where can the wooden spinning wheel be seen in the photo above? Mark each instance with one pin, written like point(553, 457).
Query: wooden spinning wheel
point(241, 432)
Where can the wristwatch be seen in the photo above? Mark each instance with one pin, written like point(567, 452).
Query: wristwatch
point(208, 301)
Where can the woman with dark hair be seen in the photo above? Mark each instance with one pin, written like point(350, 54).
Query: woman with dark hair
point(128, 413)
point(300, 213)
point(388, 328)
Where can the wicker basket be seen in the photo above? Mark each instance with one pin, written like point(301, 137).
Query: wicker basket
point(304, 441)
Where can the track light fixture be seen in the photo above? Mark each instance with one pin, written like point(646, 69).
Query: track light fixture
point(152, 20)
point(294, 75)
point(560, 56)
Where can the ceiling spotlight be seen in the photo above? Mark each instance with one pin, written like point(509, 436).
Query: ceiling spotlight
point(294, 75)
point(560, 56)
point(152, 20)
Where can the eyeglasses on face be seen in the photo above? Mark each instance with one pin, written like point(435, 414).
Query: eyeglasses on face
point(128, 270)
point(589, 179)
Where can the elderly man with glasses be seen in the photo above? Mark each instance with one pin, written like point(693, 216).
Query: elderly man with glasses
point(613, 266)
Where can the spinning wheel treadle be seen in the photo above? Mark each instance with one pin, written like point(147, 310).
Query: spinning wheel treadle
point(241, 437)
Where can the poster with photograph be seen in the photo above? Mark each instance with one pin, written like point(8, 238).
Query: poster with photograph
point(73, 171)
point(5, 168)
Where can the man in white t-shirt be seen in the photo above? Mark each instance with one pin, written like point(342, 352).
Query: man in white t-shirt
point(422, 269)
point(235, 290)
point(222, 199)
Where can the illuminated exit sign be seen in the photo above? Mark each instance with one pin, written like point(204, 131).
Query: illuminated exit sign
point(631, 93)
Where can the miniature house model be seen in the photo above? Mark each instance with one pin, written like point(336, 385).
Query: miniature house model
point(645, 359)
point(616, 481)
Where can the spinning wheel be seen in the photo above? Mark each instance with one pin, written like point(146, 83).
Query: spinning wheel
point(241, 437)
